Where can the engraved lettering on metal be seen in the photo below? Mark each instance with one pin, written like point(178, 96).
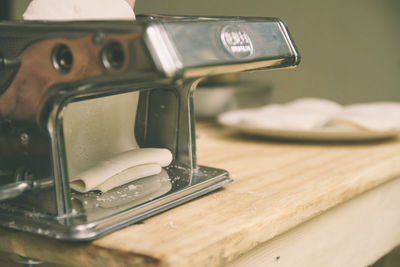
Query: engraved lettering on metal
point(236, 41)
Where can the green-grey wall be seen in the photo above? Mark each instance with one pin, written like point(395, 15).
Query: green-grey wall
point(18, 7)
point(350, 49)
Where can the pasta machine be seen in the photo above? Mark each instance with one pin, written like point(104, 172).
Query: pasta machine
point(123, 85)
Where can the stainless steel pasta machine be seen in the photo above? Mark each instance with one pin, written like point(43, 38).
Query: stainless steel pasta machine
point(46, 68)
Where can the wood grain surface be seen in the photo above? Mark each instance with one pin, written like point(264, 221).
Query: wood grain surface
point(278, 185)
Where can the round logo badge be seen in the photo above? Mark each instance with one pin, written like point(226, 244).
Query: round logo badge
point(236, 41)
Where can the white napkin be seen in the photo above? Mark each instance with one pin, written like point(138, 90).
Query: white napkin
point(314, 113)
point(79, 10)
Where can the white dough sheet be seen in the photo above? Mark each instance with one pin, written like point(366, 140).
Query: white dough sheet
point(314, 113)
point(301, 114)
point(379, 116)
point(121, 169)
point(102, 152)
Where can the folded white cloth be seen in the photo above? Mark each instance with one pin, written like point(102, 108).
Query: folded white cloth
point(79, 10)
point(314, 113)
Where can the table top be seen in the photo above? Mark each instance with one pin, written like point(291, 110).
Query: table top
point(277, 186)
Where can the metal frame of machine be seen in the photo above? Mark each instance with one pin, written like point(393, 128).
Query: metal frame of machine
point(46, 66)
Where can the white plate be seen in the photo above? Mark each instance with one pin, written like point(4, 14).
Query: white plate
point(232, 120)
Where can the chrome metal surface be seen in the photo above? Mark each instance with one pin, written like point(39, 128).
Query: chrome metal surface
point(161, 58)
point(206, 47)
point(164, 54)
point(25, 260)
point(15, 189)
point(290, 44)
point(96, 214)
point(236, 41)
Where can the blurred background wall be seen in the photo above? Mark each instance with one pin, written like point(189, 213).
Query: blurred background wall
point(350, 49)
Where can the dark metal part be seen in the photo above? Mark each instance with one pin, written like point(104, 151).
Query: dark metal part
point(9, 63)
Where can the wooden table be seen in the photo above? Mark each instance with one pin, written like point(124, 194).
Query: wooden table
point(291, 203)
